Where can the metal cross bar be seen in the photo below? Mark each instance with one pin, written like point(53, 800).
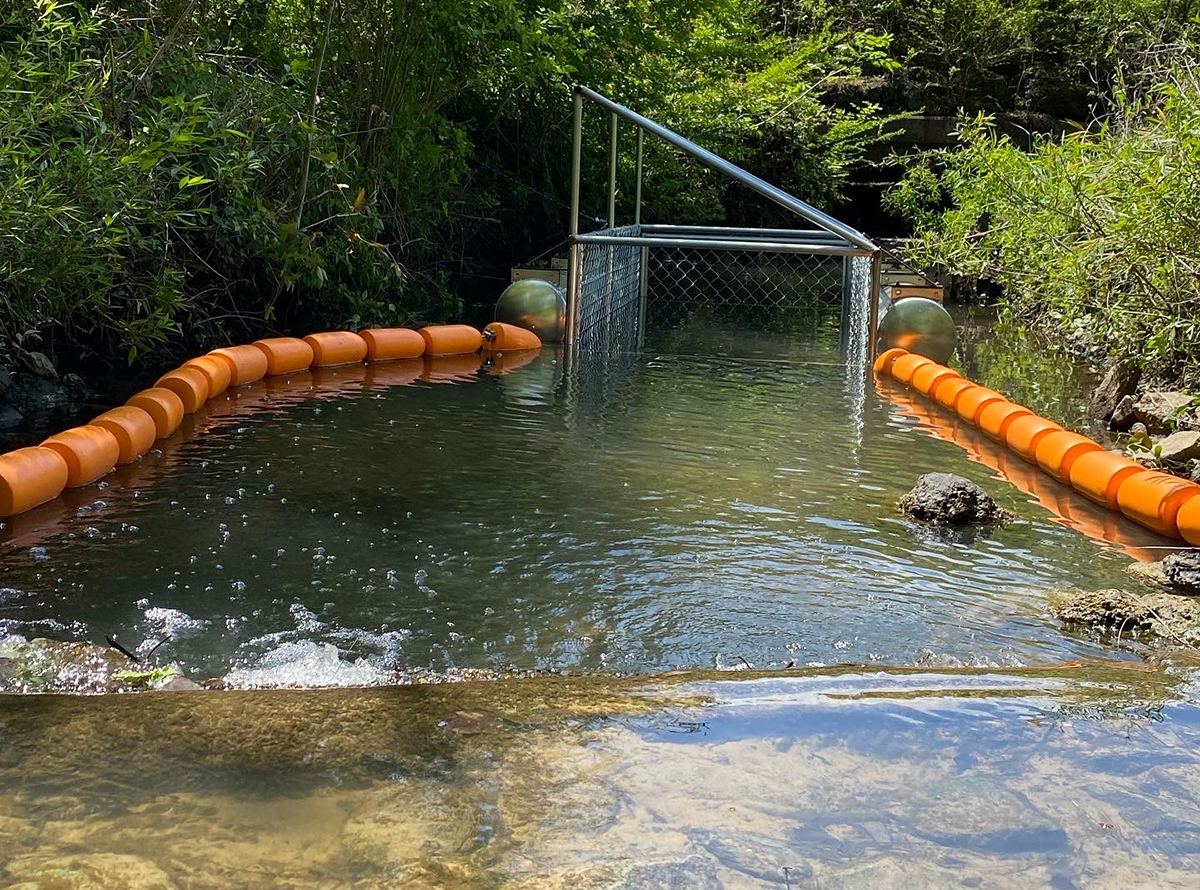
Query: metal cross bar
point(725, 244)
point(733, 171)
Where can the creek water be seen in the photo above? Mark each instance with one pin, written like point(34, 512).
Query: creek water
point(719, 499)
point(724, 498)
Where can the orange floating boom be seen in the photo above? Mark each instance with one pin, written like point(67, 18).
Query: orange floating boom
point(1167, 504)
point(336, 348)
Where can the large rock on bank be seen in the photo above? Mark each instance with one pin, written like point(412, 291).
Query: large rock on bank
point(1120, 381)
point(1178, 448)
point(1163, 411)
point(946, 499)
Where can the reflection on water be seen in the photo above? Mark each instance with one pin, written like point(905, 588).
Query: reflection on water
point(702, 504)
point(1066, 777)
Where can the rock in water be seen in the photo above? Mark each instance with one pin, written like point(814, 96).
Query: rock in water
point(1183, 569)
point(946, 499)
point(1123, 416)
point(1120, 381)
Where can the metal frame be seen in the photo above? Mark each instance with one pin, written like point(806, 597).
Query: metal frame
point(831, 237)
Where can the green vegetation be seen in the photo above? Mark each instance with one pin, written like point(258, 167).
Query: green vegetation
point(1094, 232)
point(179, 173)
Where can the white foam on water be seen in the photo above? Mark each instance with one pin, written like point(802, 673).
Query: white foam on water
point(173, 622)
point(306, 665)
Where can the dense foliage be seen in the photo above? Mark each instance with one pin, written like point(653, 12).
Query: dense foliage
point(165, 180)
point(175, 173)
point(1095, 232)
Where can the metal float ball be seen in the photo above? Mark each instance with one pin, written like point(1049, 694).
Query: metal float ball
point(919, 325)
point(535, 305)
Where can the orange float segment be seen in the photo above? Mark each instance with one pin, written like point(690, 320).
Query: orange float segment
point(996, 417)
point(1024, 434)
point(451, 339)
point(247, 364)
point(30, 476)
point(1187, 520)
point(500, 336)
point(216, 371)
point(336, 348)
point(190, 384)
point(285, 354)
point(89, 452)
point(1098, 475)
point(1154, 500)
point(927, 378)
point(163, 406)
point(971, 401)
point(388, 344)
point(883, 362)
point(1056, 452)
point(133, 429)
point(948, 392)
point(904, 367)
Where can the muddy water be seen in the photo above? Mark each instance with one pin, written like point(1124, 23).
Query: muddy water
point(1070, 777)
point(724, 497)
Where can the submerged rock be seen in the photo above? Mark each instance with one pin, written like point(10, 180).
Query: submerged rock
point(1167, 615)
point(946, 499)
point(1119, 382)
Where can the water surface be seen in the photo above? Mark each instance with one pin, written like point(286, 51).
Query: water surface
point(724, 497)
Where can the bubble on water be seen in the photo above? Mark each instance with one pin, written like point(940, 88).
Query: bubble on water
point(39, 554)
point(420, 576)
point(91, 532)
point(8, 594)
point(83, 511)
point(143, 604)
point(238, 585)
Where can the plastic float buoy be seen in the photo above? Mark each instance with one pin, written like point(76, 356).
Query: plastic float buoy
point(1024, 434)
point(336, 348)
point(501, 337)
point(996, 417)
point(971, 401)
point(190, 384)
point(1098, 475)
point(133, 429)
point(883, 361)
point(1154, 499)
point(215, 370)
point(949, 391)
point(163, 406)
point(451, 339)
point(246, 363)
point(904, 367)
point(927, 378)
point(28, 477)
point(90, 452)
point(1188, 521)
point(285, 354)
point(387, 344)
point(1056, 452)
point(451, 368)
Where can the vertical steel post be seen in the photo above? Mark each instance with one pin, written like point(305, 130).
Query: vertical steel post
point(637, 194)
point(574, 256)
point(876, 292)
point(643, 295)
point(612, 174)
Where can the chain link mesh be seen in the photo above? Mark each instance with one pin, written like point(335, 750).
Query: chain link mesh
point(610, 295)
point(777, 291)
point(813, 295)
